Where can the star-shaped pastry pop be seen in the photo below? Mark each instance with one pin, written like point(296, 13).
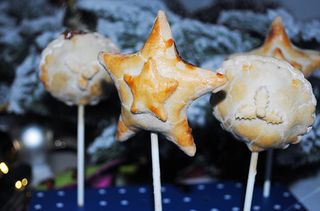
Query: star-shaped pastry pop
point(278, 45)
point(156, 86)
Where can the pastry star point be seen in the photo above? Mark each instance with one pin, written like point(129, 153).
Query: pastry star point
point(277, 31)
point(160, 37)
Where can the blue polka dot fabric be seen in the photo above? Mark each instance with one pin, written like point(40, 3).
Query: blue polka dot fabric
point(218, 196)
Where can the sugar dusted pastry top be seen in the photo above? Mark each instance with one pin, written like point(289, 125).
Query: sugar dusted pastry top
point(156, 86)
point(69, 68)
point(267, 103)
point(278, 45)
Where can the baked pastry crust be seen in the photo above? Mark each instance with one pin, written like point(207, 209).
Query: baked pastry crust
point(156, 86)
point(268, 103)
point(278, 45)
point(69, 68)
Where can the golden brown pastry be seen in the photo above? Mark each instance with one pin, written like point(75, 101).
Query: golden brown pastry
point(156, 86)
point(278, 45)
point(268, 103)
point(69, 68)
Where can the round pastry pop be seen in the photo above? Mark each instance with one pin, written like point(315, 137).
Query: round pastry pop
point(70, 71)
point(268, 104)
point(278, 45)
point(155, 87)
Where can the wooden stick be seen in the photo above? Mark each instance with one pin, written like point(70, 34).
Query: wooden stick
point(156, 172)
point(80, 156)
point(268, 172)
point(250, 182)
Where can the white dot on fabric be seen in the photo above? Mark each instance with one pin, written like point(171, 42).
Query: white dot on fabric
point(235, 208)
point(103, 203)
point(277, 207)
point(122, 191)
point(37, 207)
point(220, 186)
point(192, 210)
point(201, 187)
point(286, 194)
point(238, 185)
point(40, 194)
point(227, 197)
point(124, 202)
point(166, 200)
point(142, 190)
point(61, 193)
point(163, 189)
point(256, 207)
point(214, 209)
point(297, 206)
point(59, 205)
point(186, 199)
point(102, 191)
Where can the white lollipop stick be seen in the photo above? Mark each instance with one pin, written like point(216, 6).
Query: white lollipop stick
point(250, 182)
point(156, 172)
point(80, 156)
point(268, 172)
